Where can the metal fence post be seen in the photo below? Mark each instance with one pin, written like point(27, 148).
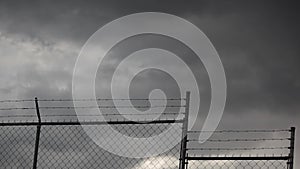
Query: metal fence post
point(187, 163)
point(292, 147)
point(37, 139)
point(183, 161)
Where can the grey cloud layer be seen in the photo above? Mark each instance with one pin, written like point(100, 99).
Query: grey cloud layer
point(257, 42)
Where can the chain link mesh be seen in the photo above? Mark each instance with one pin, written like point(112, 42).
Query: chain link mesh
point(239, 149)
point(71, 147)
point(238, 164)
point(17, 146)
point(68, 146)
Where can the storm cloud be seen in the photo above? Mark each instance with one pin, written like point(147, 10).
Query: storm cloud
point(258, 43)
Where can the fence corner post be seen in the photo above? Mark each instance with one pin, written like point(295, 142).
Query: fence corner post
point(183, 162)
point(38, 131)
point(292, 147)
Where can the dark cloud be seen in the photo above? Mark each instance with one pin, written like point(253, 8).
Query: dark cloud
point(256, 40)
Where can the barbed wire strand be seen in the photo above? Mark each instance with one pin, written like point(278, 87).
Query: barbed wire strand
point(16, 101)
point(97, 99)
point(240, 140)
point(91, 107)
point(111, 107)
point(238, 148)
point(237, 155)
point(17, 108)
point(240, 131)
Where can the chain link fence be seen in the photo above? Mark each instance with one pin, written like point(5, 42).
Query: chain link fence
point(237, 164)
point(17, 146)
point(48, 134)
point(66, 145)
point(52, 136)
point(241, 149)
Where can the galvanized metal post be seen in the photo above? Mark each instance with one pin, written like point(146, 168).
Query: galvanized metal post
point(187, 162)
point(184, 140)
point(37, 138)
point(292, 147)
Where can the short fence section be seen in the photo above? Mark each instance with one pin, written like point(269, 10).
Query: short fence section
point(238, 163)
point(270, 149)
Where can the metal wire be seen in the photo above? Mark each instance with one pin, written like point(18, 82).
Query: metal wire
point(63, 142)
point(241, 140)
point(19, 115)
point(111, 107)
point(238, 148)
point(112, 114)
point(16, 100)
point(74, 115)
point(97, 99)
point(90, 107)
point(17, 108)
point(240, 131)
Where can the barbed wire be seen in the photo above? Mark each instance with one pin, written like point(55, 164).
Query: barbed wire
point(111, 107)
point(240, 131)
point(241, 140)
point(238, 155)
point(238, 148)
point(228, 144)
point(91, 107)
point(16, 100)
point(97, 99)
point(17, 108)
point(74, 115)
point(19, 115)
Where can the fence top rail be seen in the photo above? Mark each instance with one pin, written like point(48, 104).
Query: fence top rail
point(236, 158)
point(62, 123)
point(238, 148)
point(241, 131)
point(241, 139)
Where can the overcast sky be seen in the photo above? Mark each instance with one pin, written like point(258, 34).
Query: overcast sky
point(257, 41)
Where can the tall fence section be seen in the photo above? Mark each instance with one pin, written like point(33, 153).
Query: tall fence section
point(47, 133)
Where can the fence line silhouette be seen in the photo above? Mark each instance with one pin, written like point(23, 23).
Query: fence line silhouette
point(275, 150)
point(47, 133)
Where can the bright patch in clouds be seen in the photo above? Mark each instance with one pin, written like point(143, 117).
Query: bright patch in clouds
point(27, 63)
